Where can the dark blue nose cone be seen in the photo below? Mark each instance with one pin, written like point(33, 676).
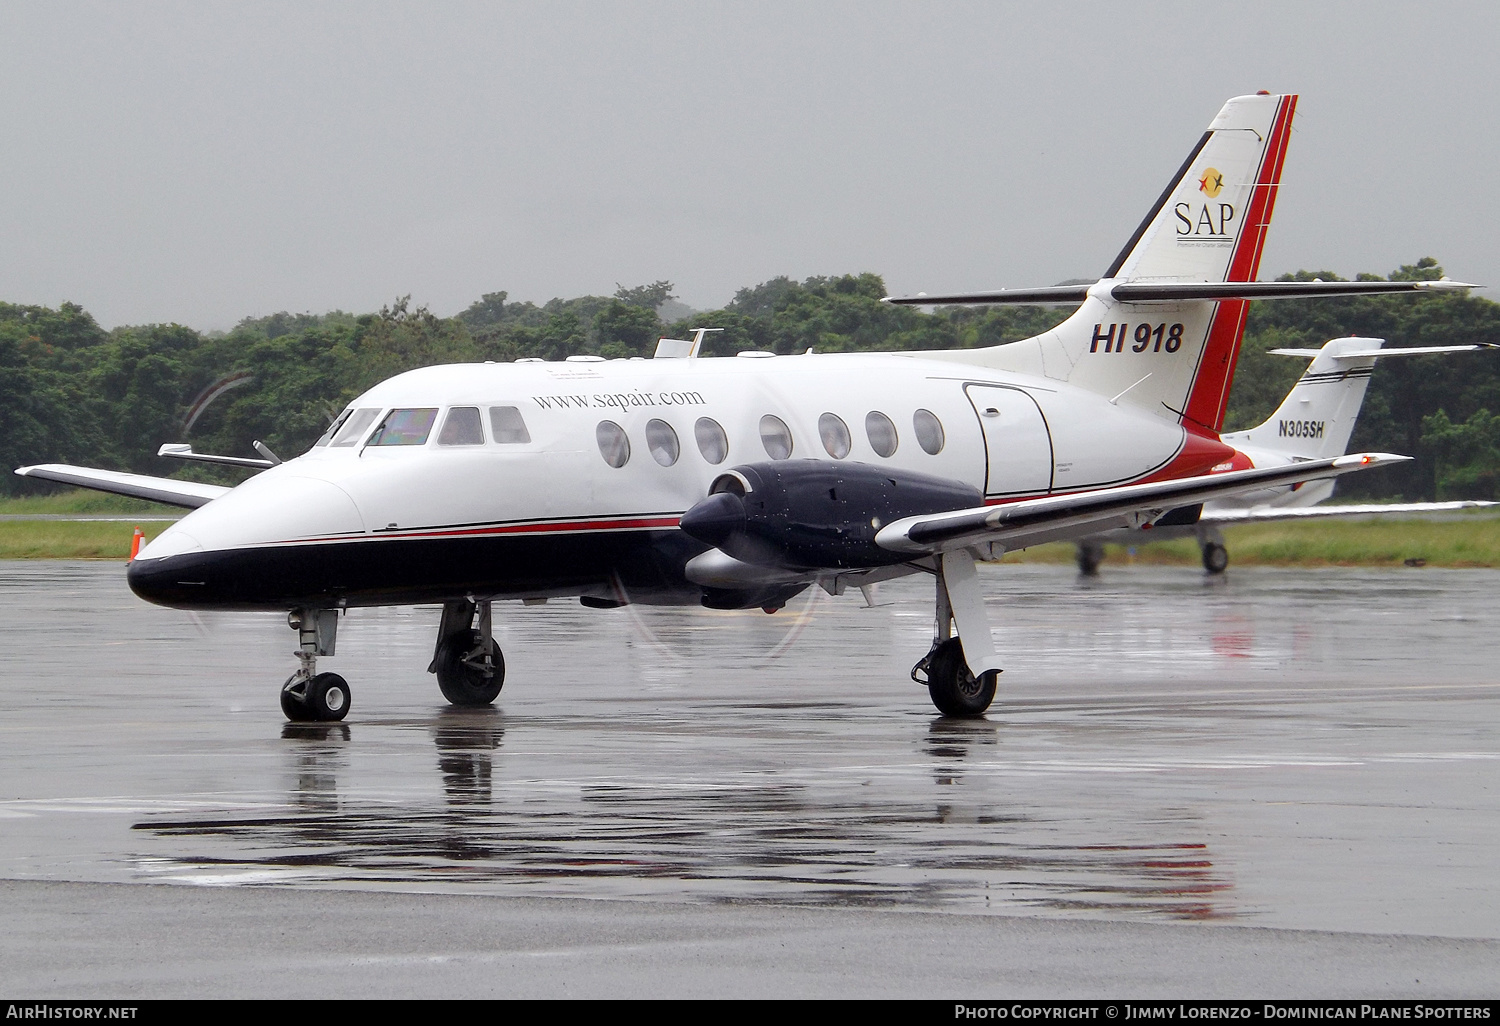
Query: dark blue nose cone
point(716, 519)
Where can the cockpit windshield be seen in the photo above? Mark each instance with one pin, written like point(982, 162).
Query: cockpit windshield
point(353, 427)
point(404, 427)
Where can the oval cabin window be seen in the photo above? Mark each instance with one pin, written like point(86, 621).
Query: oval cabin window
point(929, 431)
point(881, 432)
point(776, 437)
point(835, 435)
point(614, 446)
point(662, 441)
point(712, 442)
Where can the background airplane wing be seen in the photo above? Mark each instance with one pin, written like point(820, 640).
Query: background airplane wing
point(1033, 521)
point(158, 489)
point(1260, 514)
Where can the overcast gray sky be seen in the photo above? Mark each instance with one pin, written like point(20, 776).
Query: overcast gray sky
point(203, 162)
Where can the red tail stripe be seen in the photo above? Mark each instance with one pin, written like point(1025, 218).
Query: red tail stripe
point(1209, 398)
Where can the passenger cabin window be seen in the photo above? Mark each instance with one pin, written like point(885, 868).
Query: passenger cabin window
point(405, 427)
point(354, 428)
point(507, 426)
point(881, 432)
point(614, 446)
point(776, 437)
point(929, 431)
point(835, 435)
point(713, 443)
point(662, 441)
point(463, 427)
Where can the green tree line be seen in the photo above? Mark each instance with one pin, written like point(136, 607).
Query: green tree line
point(72, 392)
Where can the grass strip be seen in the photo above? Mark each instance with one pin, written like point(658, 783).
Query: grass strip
point(1471, 541)
point(82, 500)
point(70, 539)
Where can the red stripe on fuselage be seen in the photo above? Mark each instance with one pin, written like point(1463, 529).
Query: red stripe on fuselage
point(1209, 398)
point(549, 527)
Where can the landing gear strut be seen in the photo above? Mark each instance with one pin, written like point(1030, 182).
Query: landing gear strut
point(960, 684)
point(469, 667)
point(307, 695)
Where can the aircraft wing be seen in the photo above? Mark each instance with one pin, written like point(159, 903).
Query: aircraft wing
point(1263, 514)
point(1032, 521)
point(158, 489)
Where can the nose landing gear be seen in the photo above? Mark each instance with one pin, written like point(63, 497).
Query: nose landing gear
point(307, 695)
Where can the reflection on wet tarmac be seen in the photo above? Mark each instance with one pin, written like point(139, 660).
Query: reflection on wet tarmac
point(771, 840)
point(466, 742)
point(1283, 748)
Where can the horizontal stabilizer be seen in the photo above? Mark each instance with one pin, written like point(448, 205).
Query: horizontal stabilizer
point(190, 494)
point(1365, 354)
point(1264, 514)
point(1056, 295)
point(1022, 523)
point(1177, 292)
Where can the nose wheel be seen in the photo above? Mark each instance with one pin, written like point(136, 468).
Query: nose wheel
point(309, 696)
point(323, 697)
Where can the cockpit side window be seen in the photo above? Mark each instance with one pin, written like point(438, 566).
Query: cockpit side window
point(338, 422)
point(354, 427)
point(404, 427)
point(463, 427)
point(508, 427)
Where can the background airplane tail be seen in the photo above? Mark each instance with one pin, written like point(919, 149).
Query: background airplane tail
point(1317, 416)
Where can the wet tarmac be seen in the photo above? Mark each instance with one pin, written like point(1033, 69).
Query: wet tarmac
point(1301, 749)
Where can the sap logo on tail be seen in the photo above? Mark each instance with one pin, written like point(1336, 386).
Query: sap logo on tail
point(1211, 222)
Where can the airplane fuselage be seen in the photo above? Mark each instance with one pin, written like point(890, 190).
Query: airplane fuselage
point(528, 502)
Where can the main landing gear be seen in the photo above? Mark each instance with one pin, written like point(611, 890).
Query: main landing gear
point(1211, 544)
point(308, 695)
point(961, 683)
point(469, 667)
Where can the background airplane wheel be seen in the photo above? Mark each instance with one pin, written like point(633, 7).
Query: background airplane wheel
point(328, 697)
point(954, 689)
point(1215, 558)
point(461, 681)
point(1090, 555)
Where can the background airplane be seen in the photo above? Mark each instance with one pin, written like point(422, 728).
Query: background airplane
point(738, 483)
point(1314, 421)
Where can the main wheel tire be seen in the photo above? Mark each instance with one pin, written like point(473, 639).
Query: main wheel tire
point(953, 687)
point(1090, 555)
point(328, 697)
point(294, 702)
point(1215, 558)
point(464, 676)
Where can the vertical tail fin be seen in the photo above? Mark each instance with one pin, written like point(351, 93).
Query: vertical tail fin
point(1177, 358)
point(1317, 416)
point(1210, 223)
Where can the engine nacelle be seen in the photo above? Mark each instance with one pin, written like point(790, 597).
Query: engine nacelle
point(815, 514)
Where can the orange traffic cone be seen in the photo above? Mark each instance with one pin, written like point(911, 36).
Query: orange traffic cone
point(135, 543)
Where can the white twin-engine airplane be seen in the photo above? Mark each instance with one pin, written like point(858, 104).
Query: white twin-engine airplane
point(737, 483)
